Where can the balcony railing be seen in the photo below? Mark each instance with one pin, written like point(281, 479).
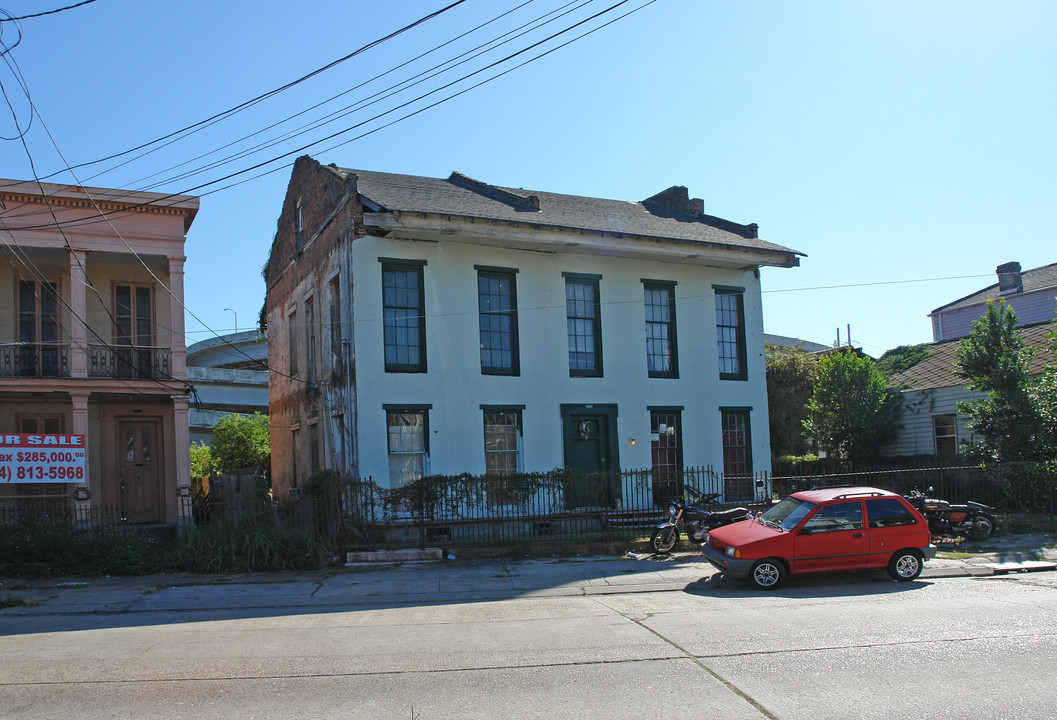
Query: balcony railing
point(41, 360)
point(128, 362)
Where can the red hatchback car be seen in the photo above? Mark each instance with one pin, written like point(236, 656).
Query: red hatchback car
point(827, 530)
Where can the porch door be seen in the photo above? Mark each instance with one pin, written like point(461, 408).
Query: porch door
point(139, 469)
point(589, 449)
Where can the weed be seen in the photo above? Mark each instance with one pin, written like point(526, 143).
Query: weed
point(10, 600)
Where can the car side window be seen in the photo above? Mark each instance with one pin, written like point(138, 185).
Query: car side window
point(835, 518)
point(888, 512)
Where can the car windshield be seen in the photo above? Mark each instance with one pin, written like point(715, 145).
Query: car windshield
point(786, 514)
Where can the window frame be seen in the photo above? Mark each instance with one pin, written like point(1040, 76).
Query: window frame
point(134, 318)
point(668, 287)
point(516, 412)
point(746, 446)
point(510, 275)
point(420, 410)
point(593, 282)
point(952, 437)
point(310, 340)
point(390, 265)
point(738, 342)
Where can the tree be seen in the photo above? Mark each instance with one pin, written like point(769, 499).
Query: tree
point(851, 413)
point(791, 374)
point(994, 361)
point(201, 460)
point(241, 441)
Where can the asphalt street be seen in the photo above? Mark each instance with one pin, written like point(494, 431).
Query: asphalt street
point(629, 637)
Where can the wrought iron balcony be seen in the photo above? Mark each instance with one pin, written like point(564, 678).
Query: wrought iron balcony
point(129, 362)
point(40, 360)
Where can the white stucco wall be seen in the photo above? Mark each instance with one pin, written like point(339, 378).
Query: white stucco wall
point(455, 387)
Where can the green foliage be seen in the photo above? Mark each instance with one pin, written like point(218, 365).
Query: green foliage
point(241, 441)
point(791, 375)
point(902, 358)
point(34, 549)
point(202, 462)
point(852, 414)
point(250, 544)
point(1011, 418)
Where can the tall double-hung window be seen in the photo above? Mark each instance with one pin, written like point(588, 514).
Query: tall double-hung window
point(404, 315)
point(730, 333)
point(661, 359)
point(497, 305)
point(584, 325)
point(408, 444)
point(38, 329)
point(502, 440)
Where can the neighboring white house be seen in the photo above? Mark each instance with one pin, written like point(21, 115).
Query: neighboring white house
point(1032, 294)
point(230, 375)
point(438, 326)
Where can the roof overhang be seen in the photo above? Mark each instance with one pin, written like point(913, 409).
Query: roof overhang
point(573, 241)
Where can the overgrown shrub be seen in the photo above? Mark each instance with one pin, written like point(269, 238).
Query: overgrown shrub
point(250, 544)
point(46, 549)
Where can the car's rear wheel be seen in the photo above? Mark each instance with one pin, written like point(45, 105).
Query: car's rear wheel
point(767, 574)
point(905, 565)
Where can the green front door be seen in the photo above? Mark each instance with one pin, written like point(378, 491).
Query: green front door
point(590, 453)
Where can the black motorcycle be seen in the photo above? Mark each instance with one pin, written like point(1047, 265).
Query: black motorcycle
point(693, 520)
point(972, 519)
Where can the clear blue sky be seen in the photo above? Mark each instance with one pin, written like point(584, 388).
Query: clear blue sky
point(890, 142)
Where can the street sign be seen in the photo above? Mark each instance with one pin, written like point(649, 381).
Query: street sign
point(42, 459)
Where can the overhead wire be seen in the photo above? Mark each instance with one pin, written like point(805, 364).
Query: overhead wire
point(48, 12)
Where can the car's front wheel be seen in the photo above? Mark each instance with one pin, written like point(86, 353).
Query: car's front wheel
point(767, 574)
point(905, 565)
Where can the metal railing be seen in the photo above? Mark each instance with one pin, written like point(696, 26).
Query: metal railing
point(129, 362)
point(42, 360)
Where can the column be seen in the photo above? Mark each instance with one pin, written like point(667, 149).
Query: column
point(79, 318)
point(82, 492)
point(176, 322)
point(182, 453)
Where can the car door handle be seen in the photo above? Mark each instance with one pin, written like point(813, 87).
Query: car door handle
point(857, 535)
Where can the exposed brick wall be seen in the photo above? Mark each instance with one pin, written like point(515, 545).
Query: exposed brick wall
point(290, 276)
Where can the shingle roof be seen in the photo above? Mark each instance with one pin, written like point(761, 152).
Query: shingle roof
point(465, 197)
point(937, 370)
point(1039, 278)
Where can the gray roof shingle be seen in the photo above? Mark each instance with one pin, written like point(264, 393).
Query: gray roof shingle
point(1040, 278)
point(465, 197)
point(937, 370)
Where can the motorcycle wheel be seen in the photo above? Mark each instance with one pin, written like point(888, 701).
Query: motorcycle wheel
point(664, 539)
point(904, 566)
point(767, 574)
point(981, 527)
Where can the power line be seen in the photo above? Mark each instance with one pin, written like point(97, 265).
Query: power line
point(253, 101)
point(870, 284)
point(47, 12)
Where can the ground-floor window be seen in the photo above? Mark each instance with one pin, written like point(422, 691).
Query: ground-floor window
point(45, 494)
point(666, 453)
point(945, 433)
point(408, 435)
point(737, 446)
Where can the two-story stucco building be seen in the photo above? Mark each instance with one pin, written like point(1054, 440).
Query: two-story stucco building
point(437, 326)
point(92, 345)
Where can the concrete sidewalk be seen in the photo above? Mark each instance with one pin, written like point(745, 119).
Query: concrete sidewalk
point(369, 585)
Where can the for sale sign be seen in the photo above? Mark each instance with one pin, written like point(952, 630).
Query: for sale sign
point(42, 459)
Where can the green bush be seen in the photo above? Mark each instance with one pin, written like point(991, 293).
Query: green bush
point(250, 545)
point(46, 549)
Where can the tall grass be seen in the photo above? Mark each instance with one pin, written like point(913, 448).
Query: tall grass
point(250, 544)
point(33, 549)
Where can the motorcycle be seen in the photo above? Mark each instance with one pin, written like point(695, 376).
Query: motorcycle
point(694, 521)
point(973, 519)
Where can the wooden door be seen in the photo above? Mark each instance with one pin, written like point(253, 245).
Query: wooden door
point(139, 470)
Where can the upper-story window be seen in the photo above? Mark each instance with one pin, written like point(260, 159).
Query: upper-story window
point(661, 359)
point(38, 328)
point(404, 316)
point(133, 315)
point(291, 340)
point(310, 340)
point(730, 333)
point(335, 327)
point(497, 304)
point(584, 326)
point(299, 226)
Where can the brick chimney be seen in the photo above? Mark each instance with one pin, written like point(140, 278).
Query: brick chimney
point(1009, 278)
